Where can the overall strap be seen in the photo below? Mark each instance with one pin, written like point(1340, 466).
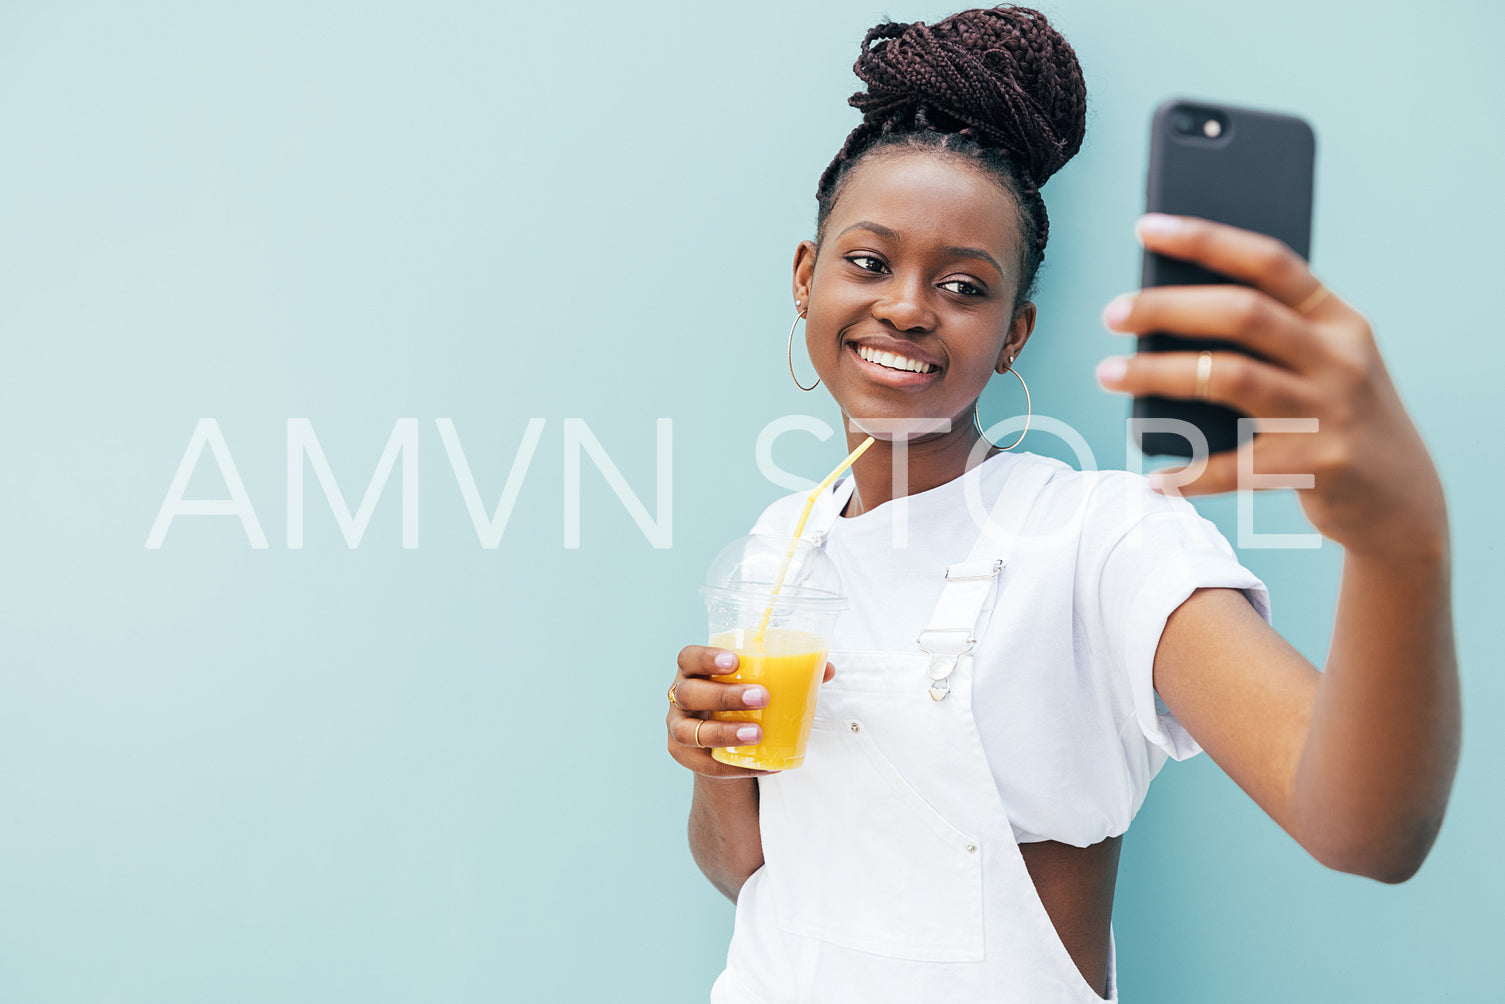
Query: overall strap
point(827, 510)
point(953, 626)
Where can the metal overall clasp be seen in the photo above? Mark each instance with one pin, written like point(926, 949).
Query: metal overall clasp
point(949, 644)
point(944, 656)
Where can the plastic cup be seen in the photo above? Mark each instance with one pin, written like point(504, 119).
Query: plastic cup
point(788, 656)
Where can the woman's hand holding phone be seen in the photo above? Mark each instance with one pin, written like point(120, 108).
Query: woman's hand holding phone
point(1370, 483)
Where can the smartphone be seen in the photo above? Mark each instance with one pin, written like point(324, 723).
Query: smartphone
point(1251, 169)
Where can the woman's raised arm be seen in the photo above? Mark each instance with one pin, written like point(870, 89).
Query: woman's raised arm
point(1356, 762)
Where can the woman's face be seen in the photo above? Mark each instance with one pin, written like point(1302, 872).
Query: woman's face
point(920, 260)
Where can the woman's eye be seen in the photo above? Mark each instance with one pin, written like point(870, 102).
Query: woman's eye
point(963, 287)
point(866, 262)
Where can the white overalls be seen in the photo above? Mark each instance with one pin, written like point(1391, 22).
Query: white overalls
point(890, 868)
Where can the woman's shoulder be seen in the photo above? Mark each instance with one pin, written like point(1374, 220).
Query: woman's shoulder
point(783, 513)
point(780, 514)
point(1105, 505)
point(1108, 494)
point(1098, 503)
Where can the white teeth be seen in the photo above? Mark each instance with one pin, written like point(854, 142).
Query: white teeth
point(893, 362)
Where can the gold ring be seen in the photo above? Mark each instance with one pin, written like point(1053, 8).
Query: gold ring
point(697, 732)
point(1204, 376)
point(1315, 297)
point(672, 688)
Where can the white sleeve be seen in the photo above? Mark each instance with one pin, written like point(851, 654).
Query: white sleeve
point(1149, 571)
point(780, 515)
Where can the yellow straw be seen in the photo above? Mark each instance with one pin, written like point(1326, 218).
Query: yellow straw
point(799, 528)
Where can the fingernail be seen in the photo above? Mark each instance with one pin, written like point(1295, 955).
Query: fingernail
point(754, 697)
point(748, 734)
point(1157, 224)
point(1112, 370)
point(1117, 310)
point(727, 660)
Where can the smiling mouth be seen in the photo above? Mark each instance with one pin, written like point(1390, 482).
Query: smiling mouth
point(892, 361)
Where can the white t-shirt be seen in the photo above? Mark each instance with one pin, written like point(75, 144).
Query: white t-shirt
point(1063, 692)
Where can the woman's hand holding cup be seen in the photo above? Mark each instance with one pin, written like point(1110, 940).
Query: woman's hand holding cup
point(694, 695)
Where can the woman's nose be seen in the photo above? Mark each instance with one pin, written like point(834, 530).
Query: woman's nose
point(904, 307)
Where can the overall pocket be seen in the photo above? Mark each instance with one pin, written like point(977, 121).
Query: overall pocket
point(858, 858)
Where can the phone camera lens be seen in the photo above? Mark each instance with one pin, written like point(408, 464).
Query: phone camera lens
point(1185, 122)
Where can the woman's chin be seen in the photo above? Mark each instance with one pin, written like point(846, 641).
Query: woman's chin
point(894, 427)
point(888, 423)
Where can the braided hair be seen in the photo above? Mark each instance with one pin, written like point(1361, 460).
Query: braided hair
point(1000, 87)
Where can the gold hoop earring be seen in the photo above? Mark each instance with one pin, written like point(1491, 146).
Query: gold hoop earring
point(1029, 412)
point(797, 318)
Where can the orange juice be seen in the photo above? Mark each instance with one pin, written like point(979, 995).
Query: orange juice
point(790, 665)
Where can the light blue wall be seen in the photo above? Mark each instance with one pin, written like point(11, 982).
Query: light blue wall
point(428, 774)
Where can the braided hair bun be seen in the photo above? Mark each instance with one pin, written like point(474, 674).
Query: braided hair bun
point(1005, 73)
point(999, 85)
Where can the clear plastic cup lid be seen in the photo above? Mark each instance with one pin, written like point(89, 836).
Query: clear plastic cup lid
point(749, 566)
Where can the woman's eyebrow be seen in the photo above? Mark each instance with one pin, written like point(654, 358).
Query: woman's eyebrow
point(955, 252)
point(887, 233)
point(890, 234)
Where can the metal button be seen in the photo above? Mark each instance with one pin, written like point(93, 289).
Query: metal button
point(856, 727)
point(971, 848)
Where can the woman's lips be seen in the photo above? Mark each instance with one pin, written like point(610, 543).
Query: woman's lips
point(891, 377)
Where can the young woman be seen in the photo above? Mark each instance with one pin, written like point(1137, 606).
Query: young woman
point(1001, 693)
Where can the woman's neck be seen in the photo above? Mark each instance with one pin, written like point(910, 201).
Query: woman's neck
point(891, 470)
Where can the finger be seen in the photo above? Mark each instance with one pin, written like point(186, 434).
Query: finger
point(712, 734)
point(701, 762)
point(1219, 474)
point(1258, 259)
point(702, 660)
point(719, 770)
point(1254, 387)
point(708, 695)
point(1266, 462)
point(1235, 313)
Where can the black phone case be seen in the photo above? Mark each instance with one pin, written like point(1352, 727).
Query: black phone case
point(1258, 175)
